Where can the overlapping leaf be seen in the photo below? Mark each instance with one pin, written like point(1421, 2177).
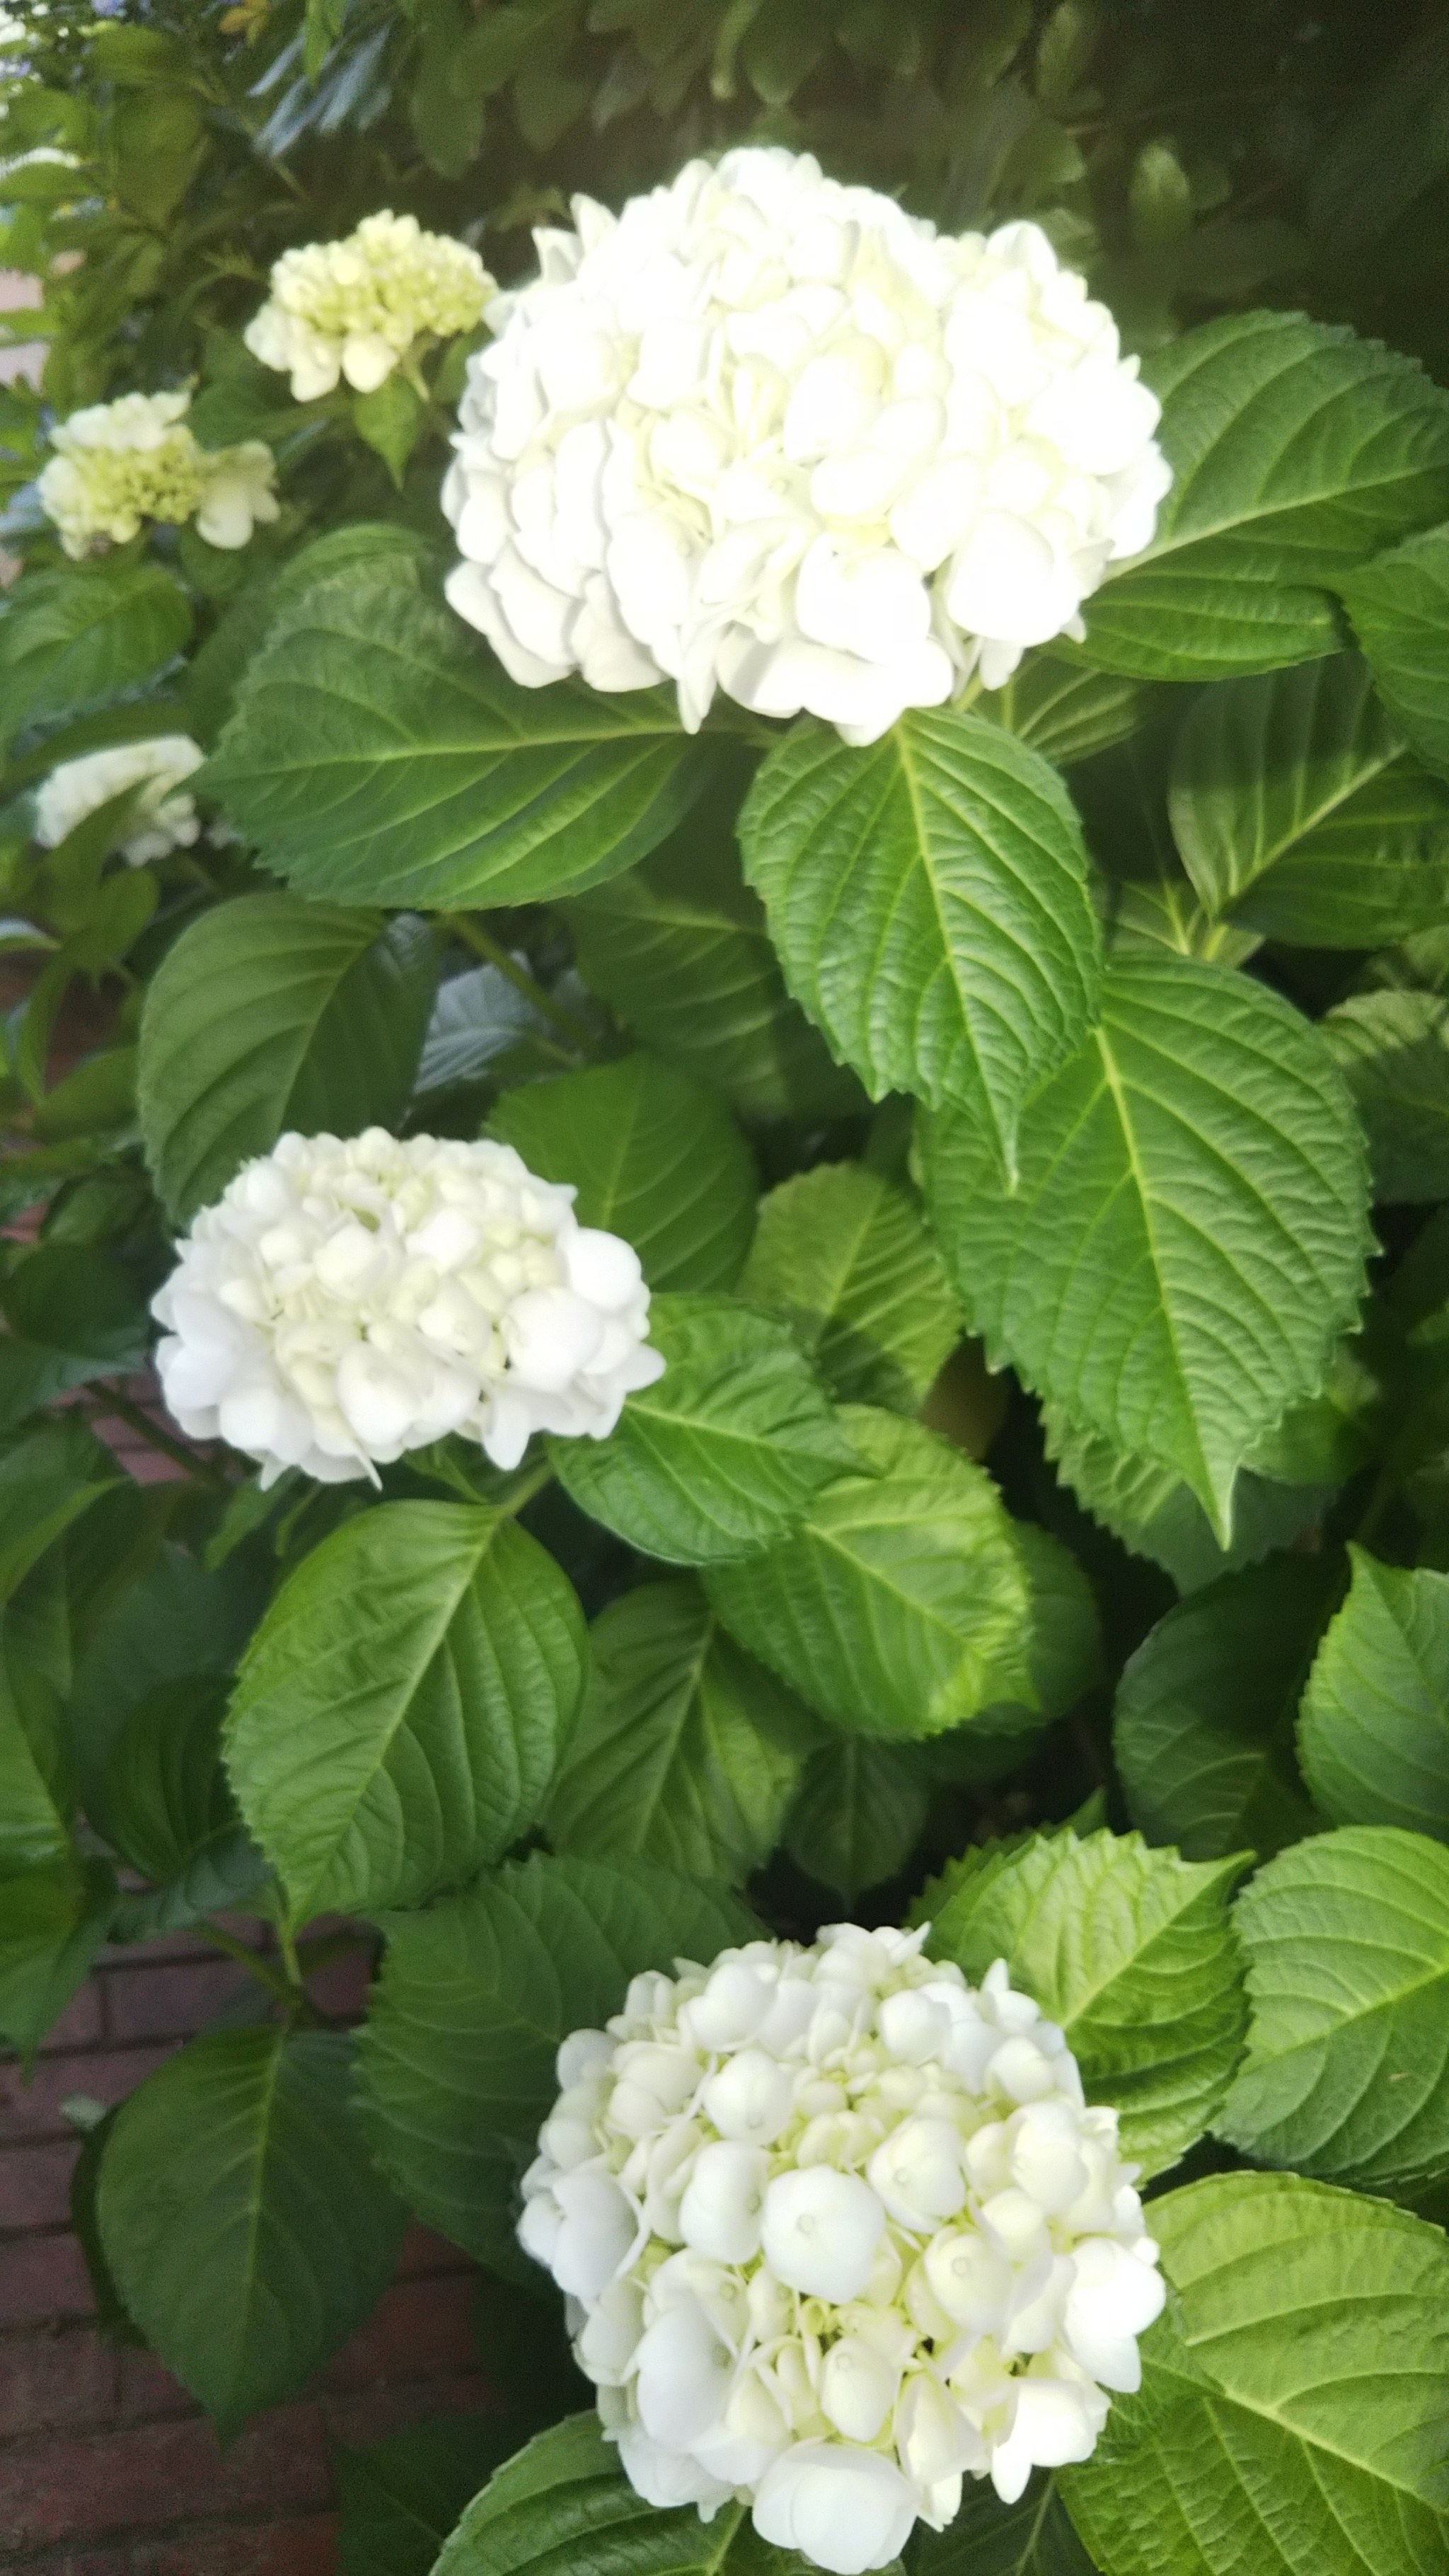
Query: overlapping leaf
point(679, 949)
point(1188, 1234)
point(653, 1157)
point(843, 1252)
point(1297, 451)
point(901, 1604)
point(1303, 2428)
point(1393, 1048)
point(1298, 810)
point(1374, 1734)
point(722, 1454)
point(1203, 1726)
point(77, 635)
point(400, 1709)
point(457, 2057)
point(565, 2502)
point(928, 902)
point(686, 1750)
point(1347, 2071)
point(1131, 1951)
point(268, 1014)
point(1399, 604)
point(379, 755)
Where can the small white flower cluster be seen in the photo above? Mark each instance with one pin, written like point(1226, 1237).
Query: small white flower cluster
point(354, 308)
point(836, 2231)
point(165, 818)
point(347, 1301)
point(768, 434)
point(137, 458)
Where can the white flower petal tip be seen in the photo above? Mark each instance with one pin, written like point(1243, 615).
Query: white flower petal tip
point(769, 434)
point(839, 2232)
point(350, 311)
point(346, 1301)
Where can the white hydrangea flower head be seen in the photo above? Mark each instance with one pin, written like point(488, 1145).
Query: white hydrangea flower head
point(119, 463)
point(768, 434)
point(166, 818)
point(837, 2231)
point(354, 308)
point(347, 1300)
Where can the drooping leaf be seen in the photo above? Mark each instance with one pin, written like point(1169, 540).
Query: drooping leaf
point(900, 1605)
point(172, 1624)
point(859, 1813)
point(928, 902)
point(75, 1313)
point(48, 1479)
point(679, 950)
point(1187, 1238)
point(457, 2056)
point(686, 1750)
point(1374, 1734)
point(34, 1823)
point(720, 1456)
point(241, 2216)
point(269, 1014)
point(565, 2502)
point(53, 1919)
point(1203, 1727)
point(1298, 810)
point(653, 1158)
point(1131, 1951)
point(401, 2497)
point(400, 1709)
point(1306, 2429)
point(169, 1811)
point(379, 755)
point(1347, 2071)
point(1393, 1048)
point(1297, 451)
point(68, 638)
point(842, 1251)
point(1399, 604)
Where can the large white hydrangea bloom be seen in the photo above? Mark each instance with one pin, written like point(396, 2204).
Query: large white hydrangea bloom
point(166, 818)
point(119, 463)
point(355, 308)
point(768, 434)
point(836, 2232)
point(346, 1301)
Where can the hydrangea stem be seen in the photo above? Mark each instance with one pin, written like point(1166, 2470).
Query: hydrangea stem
point(492, 950)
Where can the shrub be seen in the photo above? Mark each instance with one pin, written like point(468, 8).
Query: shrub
point(775, 1051)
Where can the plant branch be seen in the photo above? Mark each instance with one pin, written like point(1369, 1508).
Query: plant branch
point(493, 952)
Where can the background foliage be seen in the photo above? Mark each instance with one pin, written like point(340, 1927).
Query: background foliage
point(1044, 1520)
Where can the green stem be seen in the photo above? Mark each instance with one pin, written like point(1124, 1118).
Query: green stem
point(246, 1957)
point(111, 1401)
point(492, 950)
point(531, 1485)
point(288, 1947)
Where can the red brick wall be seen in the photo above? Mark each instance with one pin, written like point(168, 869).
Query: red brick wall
point(106, 2466)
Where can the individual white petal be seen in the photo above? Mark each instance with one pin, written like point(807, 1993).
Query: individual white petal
point(821, 2231)
point(682, 2378)
point(597, 2233)
point(1115, 2296)
point(721, 2212)
point(858, 2388)
point(1051, 2426)
point(848, 2510)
